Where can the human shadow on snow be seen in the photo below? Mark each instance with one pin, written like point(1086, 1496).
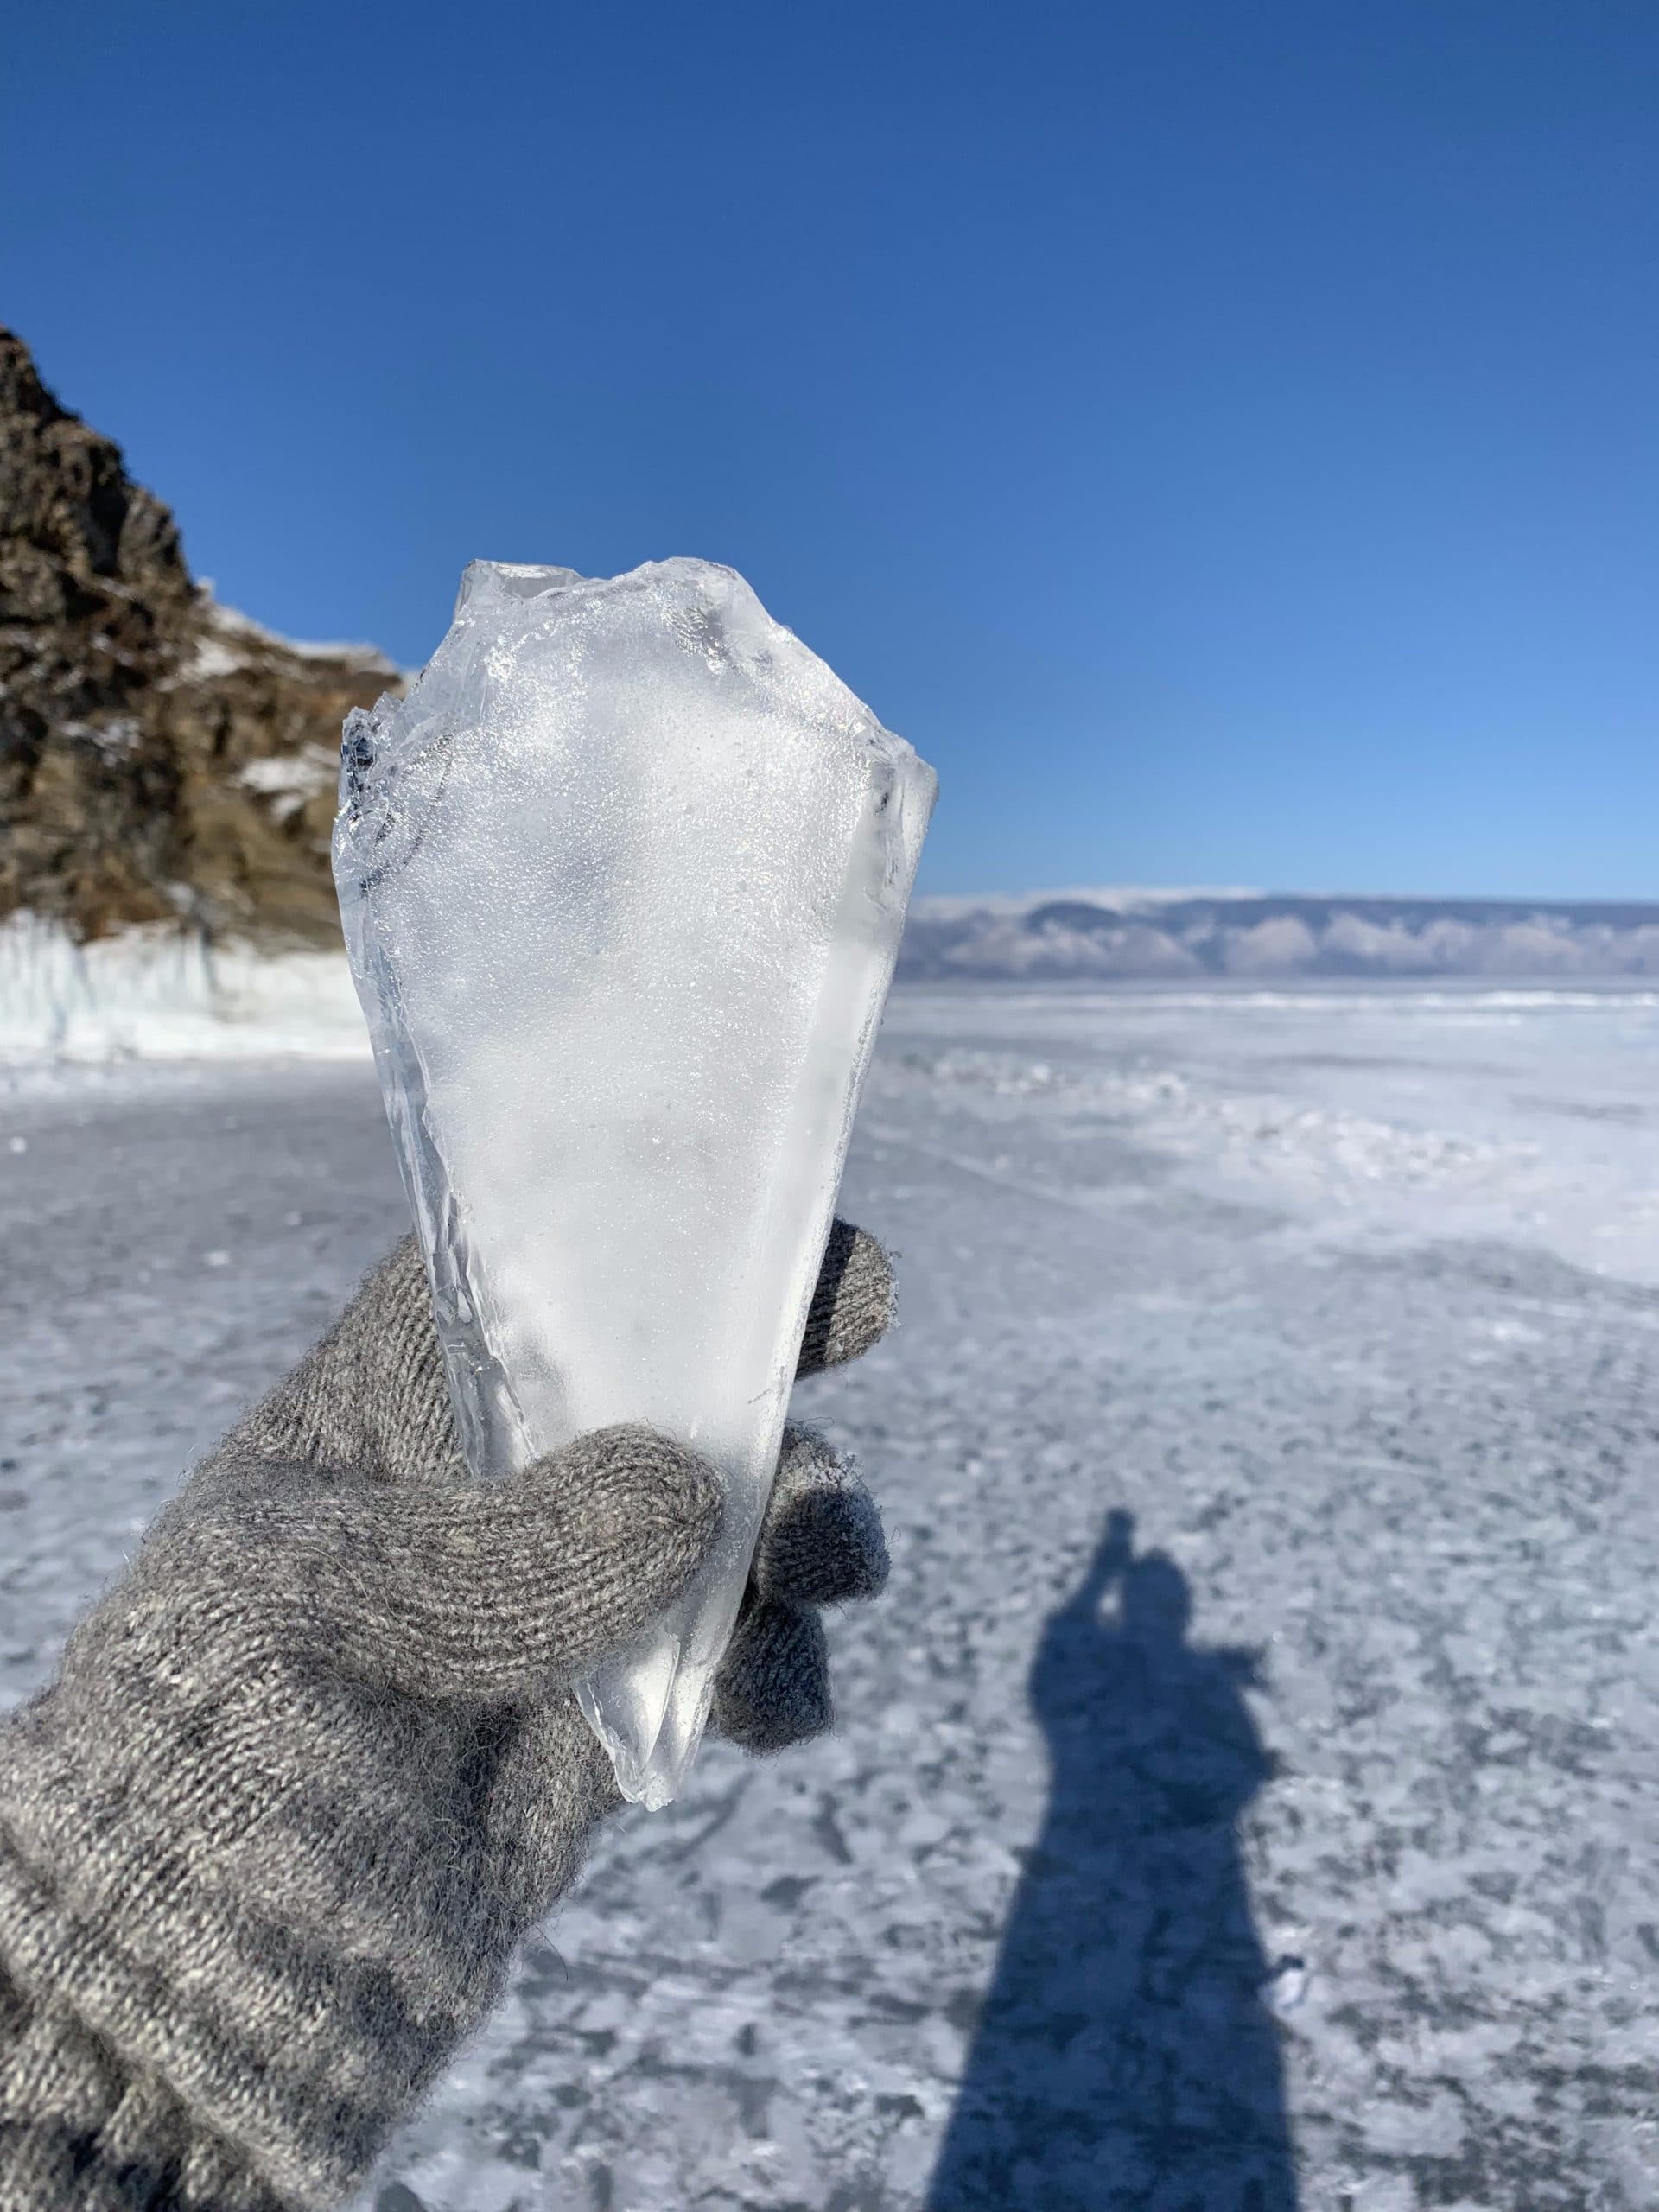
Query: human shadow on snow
point(1123, 2060)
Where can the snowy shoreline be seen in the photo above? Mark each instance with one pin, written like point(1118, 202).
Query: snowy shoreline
point(165, 995)
point(168, 994)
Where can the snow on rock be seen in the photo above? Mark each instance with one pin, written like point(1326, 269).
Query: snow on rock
point(289, 780)
point(232, 640)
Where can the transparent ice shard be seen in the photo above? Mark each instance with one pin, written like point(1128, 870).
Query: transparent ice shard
point(622, 881)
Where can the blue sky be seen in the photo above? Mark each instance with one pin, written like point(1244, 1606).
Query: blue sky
point(1224, 437)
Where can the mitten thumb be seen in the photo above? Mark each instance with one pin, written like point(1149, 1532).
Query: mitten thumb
point(503, 1591)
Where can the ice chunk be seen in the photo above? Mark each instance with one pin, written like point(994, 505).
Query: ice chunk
point(622, 880)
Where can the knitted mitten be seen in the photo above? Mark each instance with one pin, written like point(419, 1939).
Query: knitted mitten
point(312, 1769)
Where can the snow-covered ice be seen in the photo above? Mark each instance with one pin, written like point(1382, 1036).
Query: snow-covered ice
point(1322, 1330)
point(622, 881)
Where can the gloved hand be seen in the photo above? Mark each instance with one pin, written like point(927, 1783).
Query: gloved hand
point(313, 1768)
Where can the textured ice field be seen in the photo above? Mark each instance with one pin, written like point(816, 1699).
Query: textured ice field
point(1305, 1856)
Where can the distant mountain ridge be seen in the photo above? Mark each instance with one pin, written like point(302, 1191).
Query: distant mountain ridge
point(1145, 935)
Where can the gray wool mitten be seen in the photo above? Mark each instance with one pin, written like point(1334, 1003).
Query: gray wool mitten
point(313, 1768)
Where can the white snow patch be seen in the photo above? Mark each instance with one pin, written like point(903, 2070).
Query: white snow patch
point(225, 648)
point(121, 735)
point(213, 657)
point(289, 780)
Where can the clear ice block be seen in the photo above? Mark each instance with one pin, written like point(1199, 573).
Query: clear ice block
point(622, 881)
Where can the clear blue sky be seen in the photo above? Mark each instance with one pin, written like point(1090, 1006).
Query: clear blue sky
point(1225, 436)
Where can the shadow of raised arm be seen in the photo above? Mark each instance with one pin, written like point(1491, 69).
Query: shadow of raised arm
point(1123, 2060)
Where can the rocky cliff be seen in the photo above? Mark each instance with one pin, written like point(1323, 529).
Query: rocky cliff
point(161, 757)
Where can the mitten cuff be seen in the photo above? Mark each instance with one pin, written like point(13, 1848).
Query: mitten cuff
point(82, 2132)
point(294, 2053)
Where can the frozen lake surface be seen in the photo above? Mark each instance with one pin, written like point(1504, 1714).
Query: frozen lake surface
point(1246, 1795)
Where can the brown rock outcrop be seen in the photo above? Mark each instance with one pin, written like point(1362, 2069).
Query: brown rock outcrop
point(161, 757)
